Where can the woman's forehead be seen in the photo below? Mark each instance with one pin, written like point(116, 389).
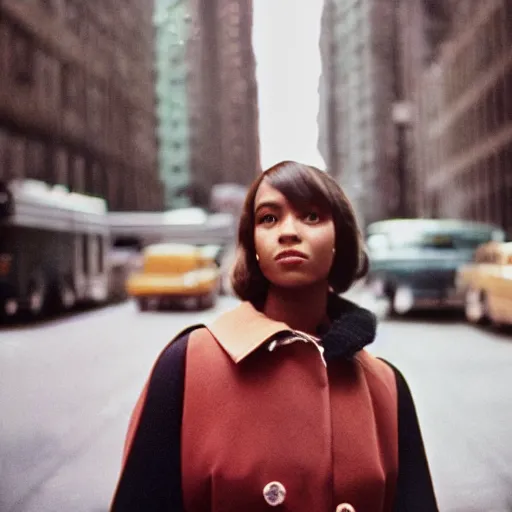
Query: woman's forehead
point(266, 193)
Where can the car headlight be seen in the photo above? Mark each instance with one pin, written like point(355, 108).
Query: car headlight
point(189, 279)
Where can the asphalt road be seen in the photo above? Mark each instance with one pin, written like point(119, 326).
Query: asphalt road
point(67, 388)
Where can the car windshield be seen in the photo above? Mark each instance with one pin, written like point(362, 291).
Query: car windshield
point(456, 240)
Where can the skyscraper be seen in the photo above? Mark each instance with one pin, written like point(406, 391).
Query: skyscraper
point(464, 99)
point(224, 142)
point(358, 132)
point(77, 98)
point(172, 22)
point(207, 97)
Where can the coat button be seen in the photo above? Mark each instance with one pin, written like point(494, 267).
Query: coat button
point(274, 493)
point(345, 507)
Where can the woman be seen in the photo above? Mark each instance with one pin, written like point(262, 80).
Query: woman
point(277, 404)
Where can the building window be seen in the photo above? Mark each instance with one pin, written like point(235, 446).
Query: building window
point(72, 91)
point(48, 5)
point(499, 101)
point(22, 58)
point(35, 159)
point(47, 76)
point(66, 85)
point(18, 156)
point(60, 168)
point(5, 154)
point(77, 170)
point(73, 16)
point(95, 106)
point(496, 23)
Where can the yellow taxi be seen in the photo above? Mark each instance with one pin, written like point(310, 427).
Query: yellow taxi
point(486, 284)
point(172, 273)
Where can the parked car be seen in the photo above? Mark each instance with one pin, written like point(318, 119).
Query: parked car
point(486, 284)
point(413, 262)
point(174, 274)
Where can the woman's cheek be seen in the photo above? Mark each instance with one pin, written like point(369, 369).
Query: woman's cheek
point(261, 247)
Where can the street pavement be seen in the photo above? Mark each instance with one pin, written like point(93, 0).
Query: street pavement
point(67, 387)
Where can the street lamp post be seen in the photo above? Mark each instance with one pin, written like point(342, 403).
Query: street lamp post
point(401, 116)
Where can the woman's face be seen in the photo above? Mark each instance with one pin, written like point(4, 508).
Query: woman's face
point(295, 248)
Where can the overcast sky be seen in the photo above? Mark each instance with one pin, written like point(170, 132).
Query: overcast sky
point(286, 43)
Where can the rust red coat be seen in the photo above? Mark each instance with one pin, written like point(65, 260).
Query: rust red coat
point(224, 424)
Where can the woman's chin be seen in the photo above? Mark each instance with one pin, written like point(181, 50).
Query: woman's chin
point(297, 283)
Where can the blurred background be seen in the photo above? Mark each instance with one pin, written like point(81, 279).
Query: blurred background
point(129, 133)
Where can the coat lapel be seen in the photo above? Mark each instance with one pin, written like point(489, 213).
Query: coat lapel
point(241, 331)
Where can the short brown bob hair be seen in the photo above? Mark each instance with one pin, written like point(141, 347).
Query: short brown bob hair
point(303, 186)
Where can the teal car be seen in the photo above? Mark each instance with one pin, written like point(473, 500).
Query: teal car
point(413, 262)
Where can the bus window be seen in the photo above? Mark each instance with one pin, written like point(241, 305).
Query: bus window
point(86, 267)
point(100, 254)
point(128, 243)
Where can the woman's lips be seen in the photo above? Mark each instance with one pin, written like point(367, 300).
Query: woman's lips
point(291, 257)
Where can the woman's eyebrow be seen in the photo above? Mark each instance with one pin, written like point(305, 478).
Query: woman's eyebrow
point(267, 204)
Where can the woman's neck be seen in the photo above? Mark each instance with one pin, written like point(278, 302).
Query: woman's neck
point(303, 309)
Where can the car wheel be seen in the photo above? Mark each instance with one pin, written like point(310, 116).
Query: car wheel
point(37, 296)
point(67, 295)
point(143, 303)
point(206, 301)
point(475, 307)
point(401, 301)
point(8, 308)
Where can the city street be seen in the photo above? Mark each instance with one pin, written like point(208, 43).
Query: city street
point(67, 387)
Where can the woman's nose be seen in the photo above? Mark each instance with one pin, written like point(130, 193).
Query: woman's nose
point(289, 232)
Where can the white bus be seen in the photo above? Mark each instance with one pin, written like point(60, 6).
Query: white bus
point(132, 231)
point(188, 226)
point(53, 248)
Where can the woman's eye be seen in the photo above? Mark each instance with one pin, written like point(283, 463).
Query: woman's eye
point(312, 217)
point(267, 219)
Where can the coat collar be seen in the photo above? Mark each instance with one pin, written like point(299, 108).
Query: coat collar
point(244, 329)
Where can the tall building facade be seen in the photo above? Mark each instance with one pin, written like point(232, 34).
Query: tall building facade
point(222, 95)
point(172, 22)
point(359, 130)
point(464, 101)
point(77, 102)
